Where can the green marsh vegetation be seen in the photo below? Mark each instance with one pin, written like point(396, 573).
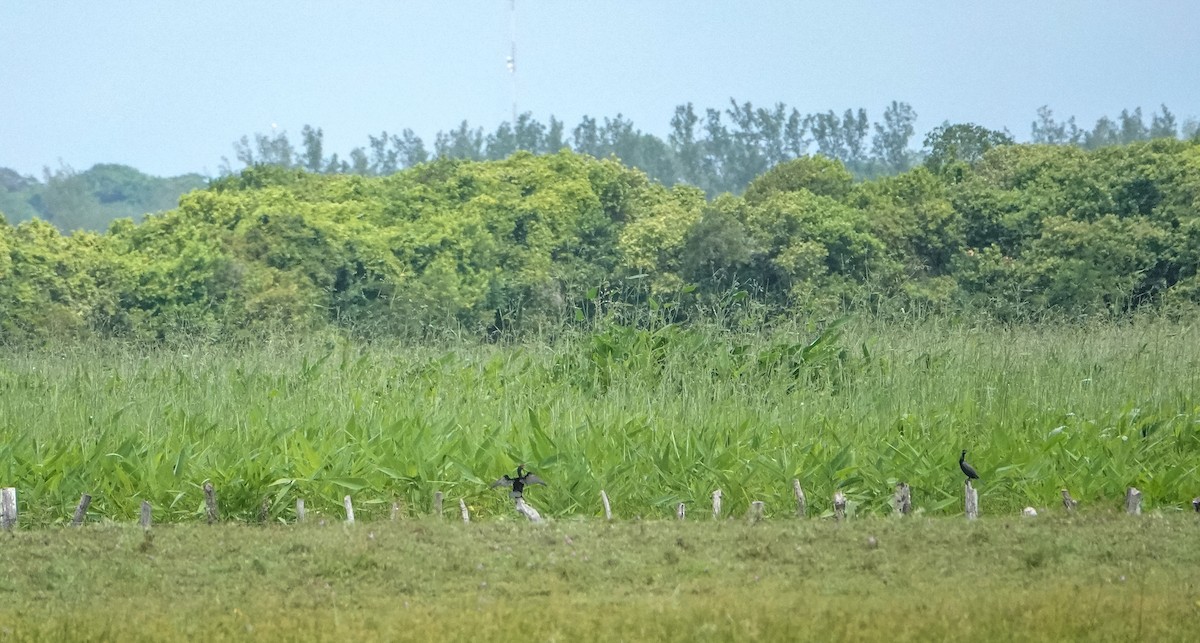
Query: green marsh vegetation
point(654, 416)
point(289, 335)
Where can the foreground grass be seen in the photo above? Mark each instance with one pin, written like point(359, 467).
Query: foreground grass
point(1096, 577)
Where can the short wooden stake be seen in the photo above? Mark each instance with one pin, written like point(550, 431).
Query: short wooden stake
point(437, 503)
point(210, 502)
point(1068, 502)
point(839, 506)
point(1133, 502)
point(716, 504)
point(801, 501)
point(81, 511)
point(8, 508)
point(349, 510)
point(680, 512)
point(971, 501)
point(145, 519)
point(300, 513)
point(607, 507)
point(902, 500)
point(756, 511)
point(462, 509)
point(527, 511)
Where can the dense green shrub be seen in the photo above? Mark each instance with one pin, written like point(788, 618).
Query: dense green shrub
point(517, 245)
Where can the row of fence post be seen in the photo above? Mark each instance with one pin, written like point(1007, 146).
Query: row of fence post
point(901, 505)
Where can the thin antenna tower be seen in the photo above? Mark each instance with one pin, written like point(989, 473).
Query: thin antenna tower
point(512, 55)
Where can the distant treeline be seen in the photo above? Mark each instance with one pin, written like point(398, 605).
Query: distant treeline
point(91, 199)
point(530, 243)
point(717, 150)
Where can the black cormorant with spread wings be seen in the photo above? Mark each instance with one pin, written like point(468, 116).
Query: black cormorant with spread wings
point(518, 482)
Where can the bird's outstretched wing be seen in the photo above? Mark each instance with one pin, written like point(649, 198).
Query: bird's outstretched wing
point(531, 478)
point(502, 482)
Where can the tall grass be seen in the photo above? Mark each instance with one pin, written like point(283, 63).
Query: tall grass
point(655, 417)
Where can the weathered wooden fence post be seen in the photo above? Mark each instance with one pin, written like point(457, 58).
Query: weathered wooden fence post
point(680, 512)
point(8, 508)
point(902, 500)
point(801, 501)
point(81, 511)
point(971, 501)
point(1133, 502)
point(716, 504)
point(145, 519)
point(210, 502)
point(462, 509)
point(437, 503)
point(300, 513)
point(1068, 502)
point(527, 511)
point(839, 506)
point(756, 511)
point(607, 507)
point(349, 510)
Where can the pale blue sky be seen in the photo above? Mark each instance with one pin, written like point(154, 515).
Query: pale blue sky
point(168, 86)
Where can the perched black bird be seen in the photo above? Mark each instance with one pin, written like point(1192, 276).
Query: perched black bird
point(518, 482)
point(966, 468)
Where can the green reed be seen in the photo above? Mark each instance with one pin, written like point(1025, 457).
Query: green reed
point(653, 416)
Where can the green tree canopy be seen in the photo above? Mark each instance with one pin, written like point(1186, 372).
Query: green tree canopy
point(960, 143)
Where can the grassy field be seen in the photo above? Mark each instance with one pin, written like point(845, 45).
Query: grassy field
point(1095, 577)
point(655, 417)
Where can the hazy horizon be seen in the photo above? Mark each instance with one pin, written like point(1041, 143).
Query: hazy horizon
point(167, 89)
